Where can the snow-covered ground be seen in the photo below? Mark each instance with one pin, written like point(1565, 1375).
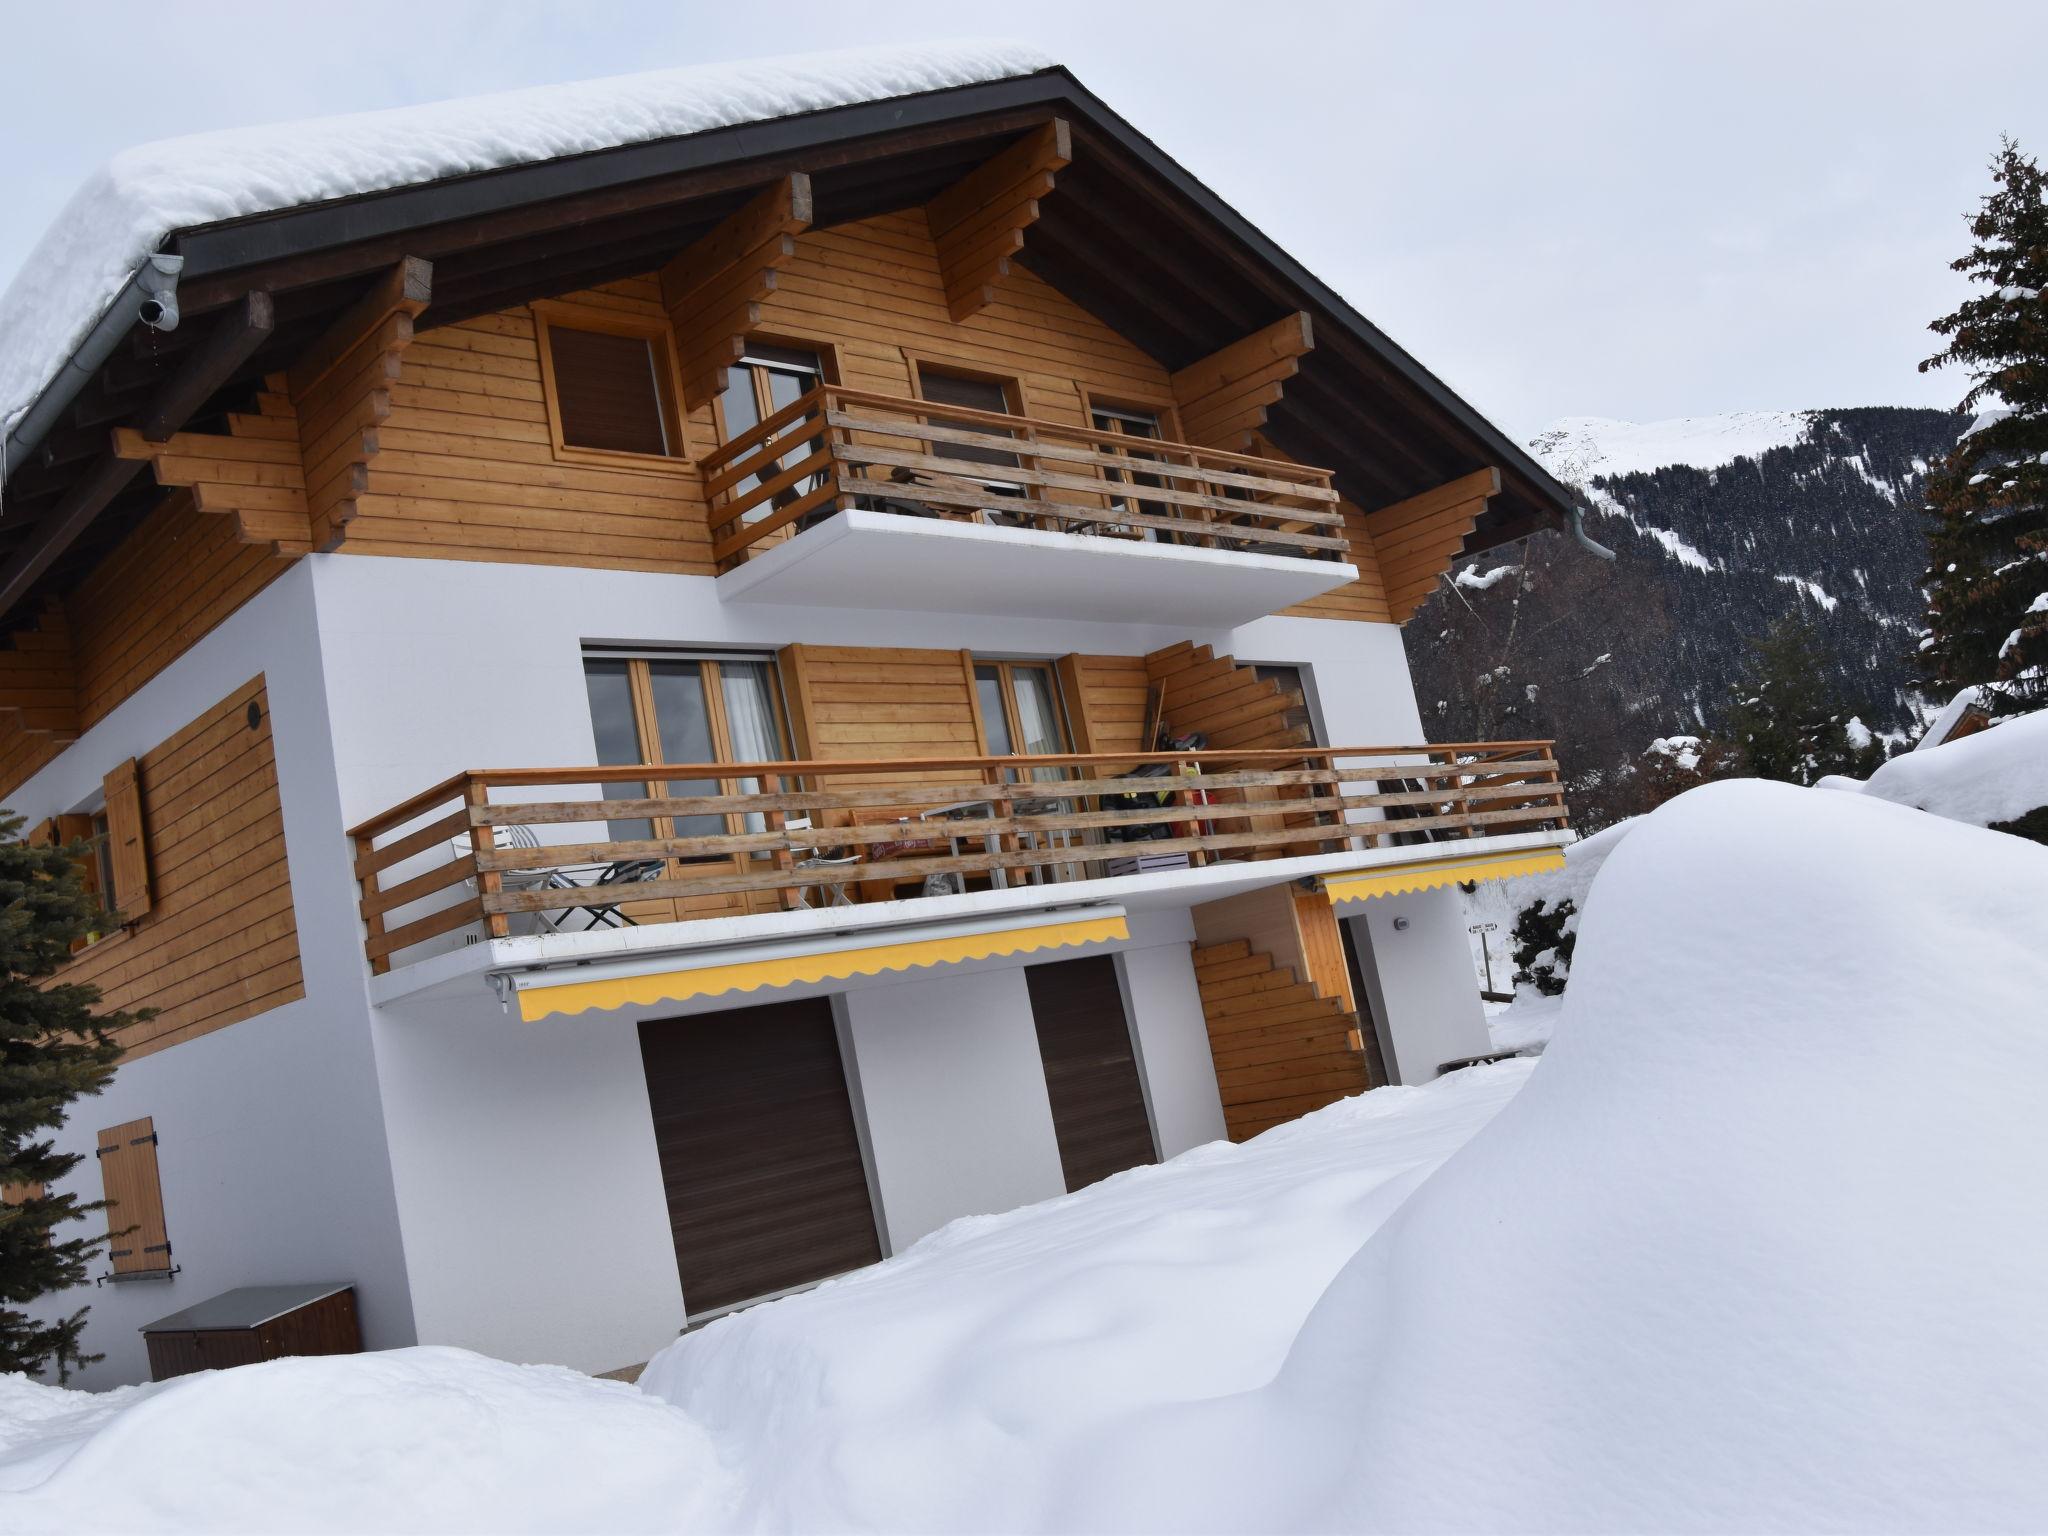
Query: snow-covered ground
point(1755, 1245)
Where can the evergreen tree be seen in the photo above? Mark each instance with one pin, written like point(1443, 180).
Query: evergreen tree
point(1987, 580)
point(1788, 720)
point(1545, 937)
point(52, 1050)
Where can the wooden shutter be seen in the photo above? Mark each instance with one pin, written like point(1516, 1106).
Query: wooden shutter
point(128, 843)
point(760, 1157)
point(135, 1198)
point(606, 392)
point(1091, 1069)
point(42, 834)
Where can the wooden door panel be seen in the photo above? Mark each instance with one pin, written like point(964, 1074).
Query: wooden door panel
point(760, 1157)
point(1091, 1069)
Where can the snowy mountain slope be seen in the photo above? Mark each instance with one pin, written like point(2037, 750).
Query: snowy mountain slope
point(1721, 525)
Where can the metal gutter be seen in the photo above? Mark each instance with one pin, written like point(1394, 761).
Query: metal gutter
point(149, 297)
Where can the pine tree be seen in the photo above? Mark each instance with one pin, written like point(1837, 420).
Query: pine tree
point(1788, 719)
point(1987, 579)
point(1545, 937)
point(53, 1049)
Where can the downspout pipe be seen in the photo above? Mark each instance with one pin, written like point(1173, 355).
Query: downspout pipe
point(150, 298)
point(1584, 539)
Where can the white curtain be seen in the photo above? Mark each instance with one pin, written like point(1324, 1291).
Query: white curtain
point(748, 688)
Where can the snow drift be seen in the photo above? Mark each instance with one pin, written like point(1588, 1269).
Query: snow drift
point(1755, 1246)
point(125, 210)
point(1754, 1250)
point(1995, 776)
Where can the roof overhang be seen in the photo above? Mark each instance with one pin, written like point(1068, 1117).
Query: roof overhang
point(1128, 233)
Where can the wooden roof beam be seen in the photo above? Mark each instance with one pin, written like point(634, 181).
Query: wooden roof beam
point(1416, 540)
point(978, 223)
point(1224, 398)
point(713, 289)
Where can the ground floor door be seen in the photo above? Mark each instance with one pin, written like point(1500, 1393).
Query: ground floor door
point(1369, 1027)
point(760, 1158)
point(1091, 1070)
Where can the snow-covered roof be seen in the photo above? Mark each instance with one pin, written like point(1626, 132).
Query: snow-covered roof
point(125, 210)
point(1950, 717)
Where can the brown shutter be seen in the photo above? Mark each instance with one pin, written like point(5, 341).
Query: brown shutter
point(126, 839)
point(135, 1198)
point(605, 391)
point(20, 1194)
point(42, 834)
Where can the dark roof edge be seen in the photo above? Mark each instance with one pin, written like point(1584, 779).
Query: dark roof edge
point(261, 238)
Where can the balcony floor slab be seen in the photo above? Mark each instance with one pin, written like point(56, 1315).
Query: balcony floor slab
point(888, 560)
point(464, 970)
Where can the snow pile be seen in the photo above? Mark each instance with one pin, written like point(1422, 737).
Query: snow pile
point(947, 1387)
point(1580, 449)
point(963, 1384)
point(411, 1440)
point(1997, 775)
point(1754, 1246)
point(1479, 580)
point(125, 210)
point(1755, 1249)
point(1682, 751)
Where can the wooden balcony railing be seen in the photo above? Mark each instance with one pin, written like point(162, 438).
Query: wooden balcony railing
point(465, 856)
point(836, 449)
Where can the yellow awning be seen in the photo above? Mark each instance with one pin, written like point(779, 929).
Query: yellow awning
point(1423, 874)
point(674, 981)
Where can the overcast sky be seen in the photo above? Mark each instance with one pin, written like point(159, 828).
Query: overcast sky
point(1639, 210)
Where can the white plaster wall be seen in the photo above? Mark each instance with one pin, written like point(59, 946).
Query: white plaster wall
point(272, 1152)
point(435, 665)
point(1419, 980)
point(530, 1186)
point(1172, 1041)
point(957, 1118)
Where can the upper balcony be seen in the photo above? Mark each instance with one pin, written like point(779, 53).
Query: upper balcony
point(597, 887)
point(854, 500)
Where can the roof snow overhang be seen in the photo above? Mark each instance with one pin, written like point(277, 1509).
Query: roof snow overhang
point(1129, 234)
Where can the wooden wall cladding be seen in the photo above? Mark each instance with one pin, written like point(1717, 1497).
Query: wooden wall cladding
point(221, 941)
point(1282, 1047)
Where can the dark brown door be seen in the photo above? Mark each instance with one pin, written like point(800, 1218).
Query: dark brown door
point(1091, 1072)
point(759, 1156)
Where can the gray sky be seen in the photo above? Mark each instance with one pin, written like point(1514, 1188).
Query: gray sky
point(1639, 210)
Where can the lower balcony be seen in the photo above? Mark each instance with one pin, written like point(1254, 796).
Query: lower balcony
point(599, 887)
point(847, 499)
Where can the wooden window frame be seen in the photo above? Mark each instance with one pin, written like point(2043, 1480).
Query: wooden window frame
point(1014, 397)
point(1006, 686)
point(828, 369)
point(1161, 409)
point(647, 724)
point(654, 330)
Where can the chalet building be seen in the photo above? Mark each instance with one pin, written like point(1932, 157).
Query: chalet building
point(664, 720)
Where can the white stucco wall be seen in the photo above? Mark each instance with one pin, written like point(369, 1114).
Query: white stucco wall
point(1419, 979)
point(529, 1185)
point(1172, 1042)
point(271, 1142)
point(957, 1118)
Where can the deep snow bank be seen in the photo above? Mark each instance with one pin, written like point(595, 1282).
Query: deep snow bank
point(1996, 775)
point(959, 1386)
point(1757, 1248)
point(411, 1440)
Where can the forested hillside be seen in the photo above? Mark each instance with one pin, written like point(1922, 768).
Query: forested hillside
point(1720, 526)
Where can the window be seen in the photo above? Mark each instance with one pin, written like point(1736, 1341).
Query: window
point(135, 1201)
point(1020, 713)
point(685, 709)
point(765, 380)
point(607, 381)
point(1143, 426)
point(974, 394)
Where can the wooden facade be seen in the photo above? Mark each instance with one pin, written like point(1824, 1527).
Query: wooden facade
point(219, 940)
